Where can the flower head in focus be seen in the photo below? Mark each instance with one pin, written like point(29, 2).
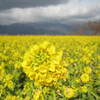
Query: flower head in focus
point(42, 64)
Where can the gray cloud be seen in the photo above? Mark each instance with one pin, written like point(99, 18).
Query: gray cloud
point(7, 4)
point(73, 11)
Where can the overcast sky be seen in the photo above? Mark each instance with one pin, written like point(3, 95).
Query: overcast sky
point(35, 11)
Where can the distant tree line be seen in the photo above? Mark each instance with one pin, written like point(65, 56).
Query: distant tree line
point(94, 27)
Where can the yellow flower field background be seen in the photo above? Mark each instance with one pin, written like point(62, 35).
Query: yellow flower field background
point(49, 68)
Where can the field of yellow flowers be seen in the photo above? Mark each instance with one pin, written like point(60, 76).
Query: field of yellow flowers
point(49, 67)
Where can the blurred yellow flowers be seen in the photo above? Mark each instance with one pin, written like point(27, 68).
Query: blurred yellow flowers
point(59, 68)
point(85, 78)
point(69, 92)
point(87, 70)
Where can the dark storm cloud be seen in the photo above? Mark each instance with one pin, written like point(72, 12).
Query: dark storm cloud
point(7, 4)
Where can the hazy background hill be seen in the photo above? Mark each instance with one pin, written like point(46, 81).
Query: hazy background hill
point(39, 28)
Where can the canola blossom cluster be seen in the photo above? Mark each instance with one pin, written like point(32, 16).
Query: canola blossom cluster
point(59, 68)
point(42, 64)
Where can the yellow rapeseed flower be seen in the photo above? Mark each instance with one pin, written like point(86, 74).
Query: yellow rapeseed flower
point(84, 89)
point(38, 95)
point(85, 78)
point(8, 81)
point(87, 70)
point(69, 92)
point(9, 84)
